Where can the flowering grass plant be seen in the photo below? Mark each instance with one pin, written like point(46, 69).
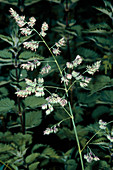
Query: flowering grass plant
point(53, 104)
point(68, 79)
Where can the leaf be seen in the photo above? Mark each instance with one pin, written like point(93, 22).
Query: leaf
point(71, 164)
point(66, 133)
point(31, 158)
point(5, 54)
point(87, 53)
point(100, 82)
point(33, 119)
point(36, 147)
point(107, 96)
point(33, 101)
point(50, 152)
point(100, 110)
point(105, 11)
point(23, 39)
point(6, 105)
point(7, 39)
point(5, 148)
point(89, 100)
point(18, 138)
point(3, 92)
point(34, 166)
point(22, 74)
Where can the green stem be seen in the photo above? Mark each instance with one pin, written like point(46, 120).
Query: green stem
point(49, 50)
point(76, 135)
point(94, 136)
point(59, 88)
point(5, 165)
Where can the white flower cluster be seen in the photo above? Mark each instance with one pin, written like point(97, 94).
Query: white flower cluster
point(54, 98)
point(43, 29)
point(95, 67)
point(59, 44)
point(53, 129)
point(32, 87)
point(102, 124)
point(91, 157)
point(49, 108)
point(20, 20)
point(31, 22)
point(33, 45)
point(84, 81)
point(31, 66)
point(45, 69)
point(26, 31)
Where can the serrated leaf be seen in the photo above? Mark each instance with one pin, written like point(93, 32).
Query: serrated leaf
point(34, 166)
point(100, 83)
point(66, 133)
point(6, 105)
point(100, 110)
point(5, 148)
point(3, 92)
point(84, 98)
point(105, 11)
point(33, 101)
point(107, 96)
point(7, 39)
point(50, 152)
point(5, 54)
point(33, 118)
point(71, 164)
point(23, 39)
point(31, 158)
point(36, 147)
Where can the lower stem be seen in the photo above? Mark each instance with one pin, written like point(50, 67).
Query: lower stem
point(76, 135)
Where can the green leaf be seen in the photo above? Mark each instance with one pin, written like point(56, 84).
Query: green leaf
point(100, 110)
point(71, 164)
point(7, 39)
point(100, 82)
point(105, 11)
point(107, 96)
point(5, 148)
point(21, 74)
point(5, 54)
point(66, 133)
point(33, 101)
point(3, 92)
point(6, 105)
point(88, 54)
point(50, 152)
point(25, 38)
point(33, 119)
point(31, 158)
point(34, 166)
point(88, 100)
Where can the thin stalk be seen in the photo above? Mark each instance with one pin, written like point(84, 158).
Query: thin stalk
point(76, 135)
point(58, 88)
point(49, 50)
point(94, 136)
point(18, 99)
point(6, 165)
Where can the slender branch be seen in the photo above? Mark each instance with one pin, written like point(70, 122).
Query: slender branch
point(18, 99)
point(6, 165)
point(76, 135)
